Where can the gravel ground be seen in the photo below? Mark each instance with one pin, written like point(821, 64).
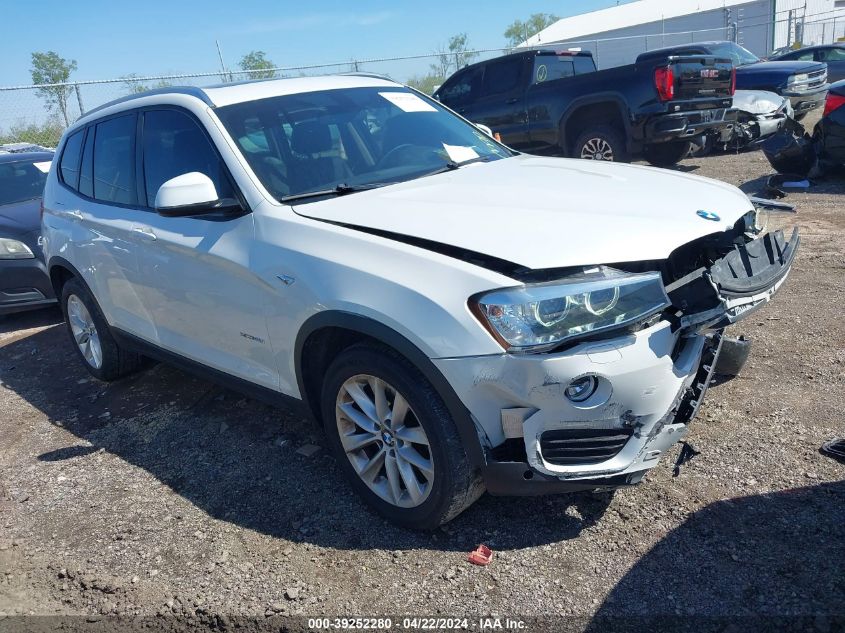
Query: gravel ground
point(164, 495)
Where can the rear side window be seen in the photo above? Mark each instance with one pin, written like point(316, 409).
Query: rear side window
point(583, 64)
point(552, 67)
point(69, 165)
point(114, 160)
point(174, 144)
point(501, 77)
point(462, 88)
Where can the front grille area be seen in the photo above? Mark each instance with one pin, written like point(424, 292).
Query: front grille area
point(570, 447)
point(817, 78)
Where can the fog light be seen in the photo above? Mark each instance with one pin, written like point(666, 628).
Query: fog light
point(581, 388)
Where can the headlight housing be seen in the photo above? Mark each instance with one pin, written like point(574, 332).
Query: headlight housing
point(798, 83)
point(13, 249)
point(539, 317)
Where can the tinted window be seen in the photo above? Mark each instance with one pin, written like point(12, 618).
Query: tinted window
point(801, 56)
point(23, 180)
point(86, 174)
point(832, 55)
point(174, 144)
point(584, 65)
point(462, 88)
point(551, 67)
point(503, 76)
point(114, 160)
point(69, 165)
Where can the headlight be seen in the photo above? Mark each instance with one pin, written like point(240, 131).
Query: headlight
point(13, 249)
point(795, 81)
point(539, 317)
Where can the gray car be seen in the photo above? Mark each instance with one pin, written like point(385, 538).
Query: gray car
point(831, 54)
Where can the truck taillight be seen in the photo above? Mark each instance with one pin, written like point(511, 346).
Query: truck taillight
point(834, 102)
point(664, 81)
point(733, 81)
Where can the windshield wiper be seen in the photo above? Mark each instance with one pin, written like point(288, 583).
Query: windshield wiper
point(452, 165)
point(339, 190)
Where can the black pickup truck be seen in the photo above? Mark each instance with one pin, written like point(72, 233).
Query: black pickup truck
point(556, 102)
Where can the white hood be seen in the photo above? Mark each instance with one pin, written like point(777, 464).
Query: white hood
point(546, 212)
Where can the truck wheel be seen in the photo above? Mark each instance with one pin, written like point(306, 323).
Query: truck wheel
point(667, 154)
point(91, 337)
point(601, 142)
point(395, 440)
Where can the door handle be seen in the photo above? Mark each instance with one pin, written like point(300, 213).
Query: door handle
point(74, 216)
point(144, 231)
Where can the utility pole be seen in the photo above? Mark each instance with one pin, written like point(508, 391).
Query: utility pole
point(222, 65)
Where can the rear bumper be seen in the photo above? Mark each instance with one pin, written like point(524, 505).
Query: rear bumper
point(24, 285)
point(688, 125)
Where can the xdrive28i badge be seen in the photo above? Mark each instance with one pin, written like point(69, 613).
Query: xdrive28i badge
point(708, 215)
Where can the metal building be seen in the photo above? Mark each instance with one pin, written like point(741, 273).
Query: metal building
point(618, 34)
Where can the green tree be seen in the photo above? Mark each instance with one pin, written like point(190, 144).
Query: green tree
point(134, 84)
point(450, 58)
point(425, 83)
point(520, 31)
point(257, 62)
point(49, 68)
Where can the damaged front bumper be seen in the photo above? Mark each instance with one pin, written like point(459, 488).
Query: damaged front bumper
point(649, 384)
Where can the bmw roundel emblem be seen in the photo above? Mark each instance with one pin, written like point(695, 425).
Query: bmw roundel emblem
point(708, 215)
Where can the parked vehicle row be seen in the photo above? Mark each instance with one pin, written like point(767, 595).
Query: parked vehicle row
point(457, 316)
point(708, 94)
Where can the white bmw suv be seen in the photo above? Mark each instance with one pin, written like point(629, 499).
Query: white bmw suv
point(457, 316)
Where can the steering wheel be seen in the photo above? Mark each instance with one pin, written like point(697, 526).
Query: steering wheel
point(410, 153)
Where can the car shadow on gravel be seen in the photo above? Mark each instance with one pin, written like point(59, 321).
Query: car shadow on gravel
point(236, 459)
point(746, 563)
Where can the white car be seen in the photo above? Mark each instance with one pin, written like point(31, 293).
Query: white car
point(457, 316)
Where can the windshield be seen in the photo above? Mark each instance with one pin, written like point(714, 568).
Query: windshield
point(22, 180)
point(735, 53)
point(337, 141)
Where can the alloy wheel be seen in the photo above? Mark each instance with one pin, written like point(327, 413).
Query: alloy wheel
point(384, 441)
point(597, 148)
point(84, 332)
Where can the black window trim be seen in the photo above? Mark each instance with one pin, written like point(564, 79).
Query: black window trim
point(139, 149)
point(84, 132)
point(140, 184)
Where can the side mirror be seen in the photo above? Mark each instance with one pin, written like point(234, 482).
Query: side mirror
point(191, 194)
point(484, 129)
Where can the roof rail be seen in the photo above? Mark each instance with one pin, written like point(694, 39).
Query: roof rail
point(192, 91)
point(370, 75)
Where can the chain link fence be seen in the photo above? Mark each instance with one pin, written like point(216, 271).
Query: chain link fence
point(39, 113)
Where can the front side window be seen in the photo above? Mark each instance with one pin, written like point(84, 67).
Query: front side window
point(69, 165)
point(501, 77)
point(22, 180)
point(354, 137)
point(462, 89)
point(832, 55)
point(114, 160)
point(174, 144)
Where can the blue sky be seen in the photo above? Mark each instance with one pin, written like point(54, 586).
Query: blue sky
point(111, 38)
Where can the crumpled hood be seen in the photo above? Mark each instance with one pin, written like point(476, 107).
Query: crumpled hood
point(546, 212)
point(758, 101)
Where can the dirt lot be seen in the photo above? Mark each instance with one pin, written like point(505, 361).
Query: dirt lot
point(163, 494)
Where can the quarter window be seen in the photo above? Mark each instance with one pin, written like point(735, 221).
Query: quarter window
point(69, 164)
point(174, 144)
point(114, 160)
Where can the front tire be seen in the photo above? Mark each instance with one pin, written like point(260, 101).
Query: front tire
point(667, 154)
point(91, 337)
point(395, 440)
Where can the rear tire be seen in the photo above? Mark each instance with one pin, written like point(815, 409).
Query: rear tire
point(667, 154)
point(415, 471)
point(91, 337)
point(601, 142)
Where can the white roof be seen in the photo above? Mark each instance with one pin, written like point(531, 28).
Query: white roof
point(226, 94)
point(622, 16)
